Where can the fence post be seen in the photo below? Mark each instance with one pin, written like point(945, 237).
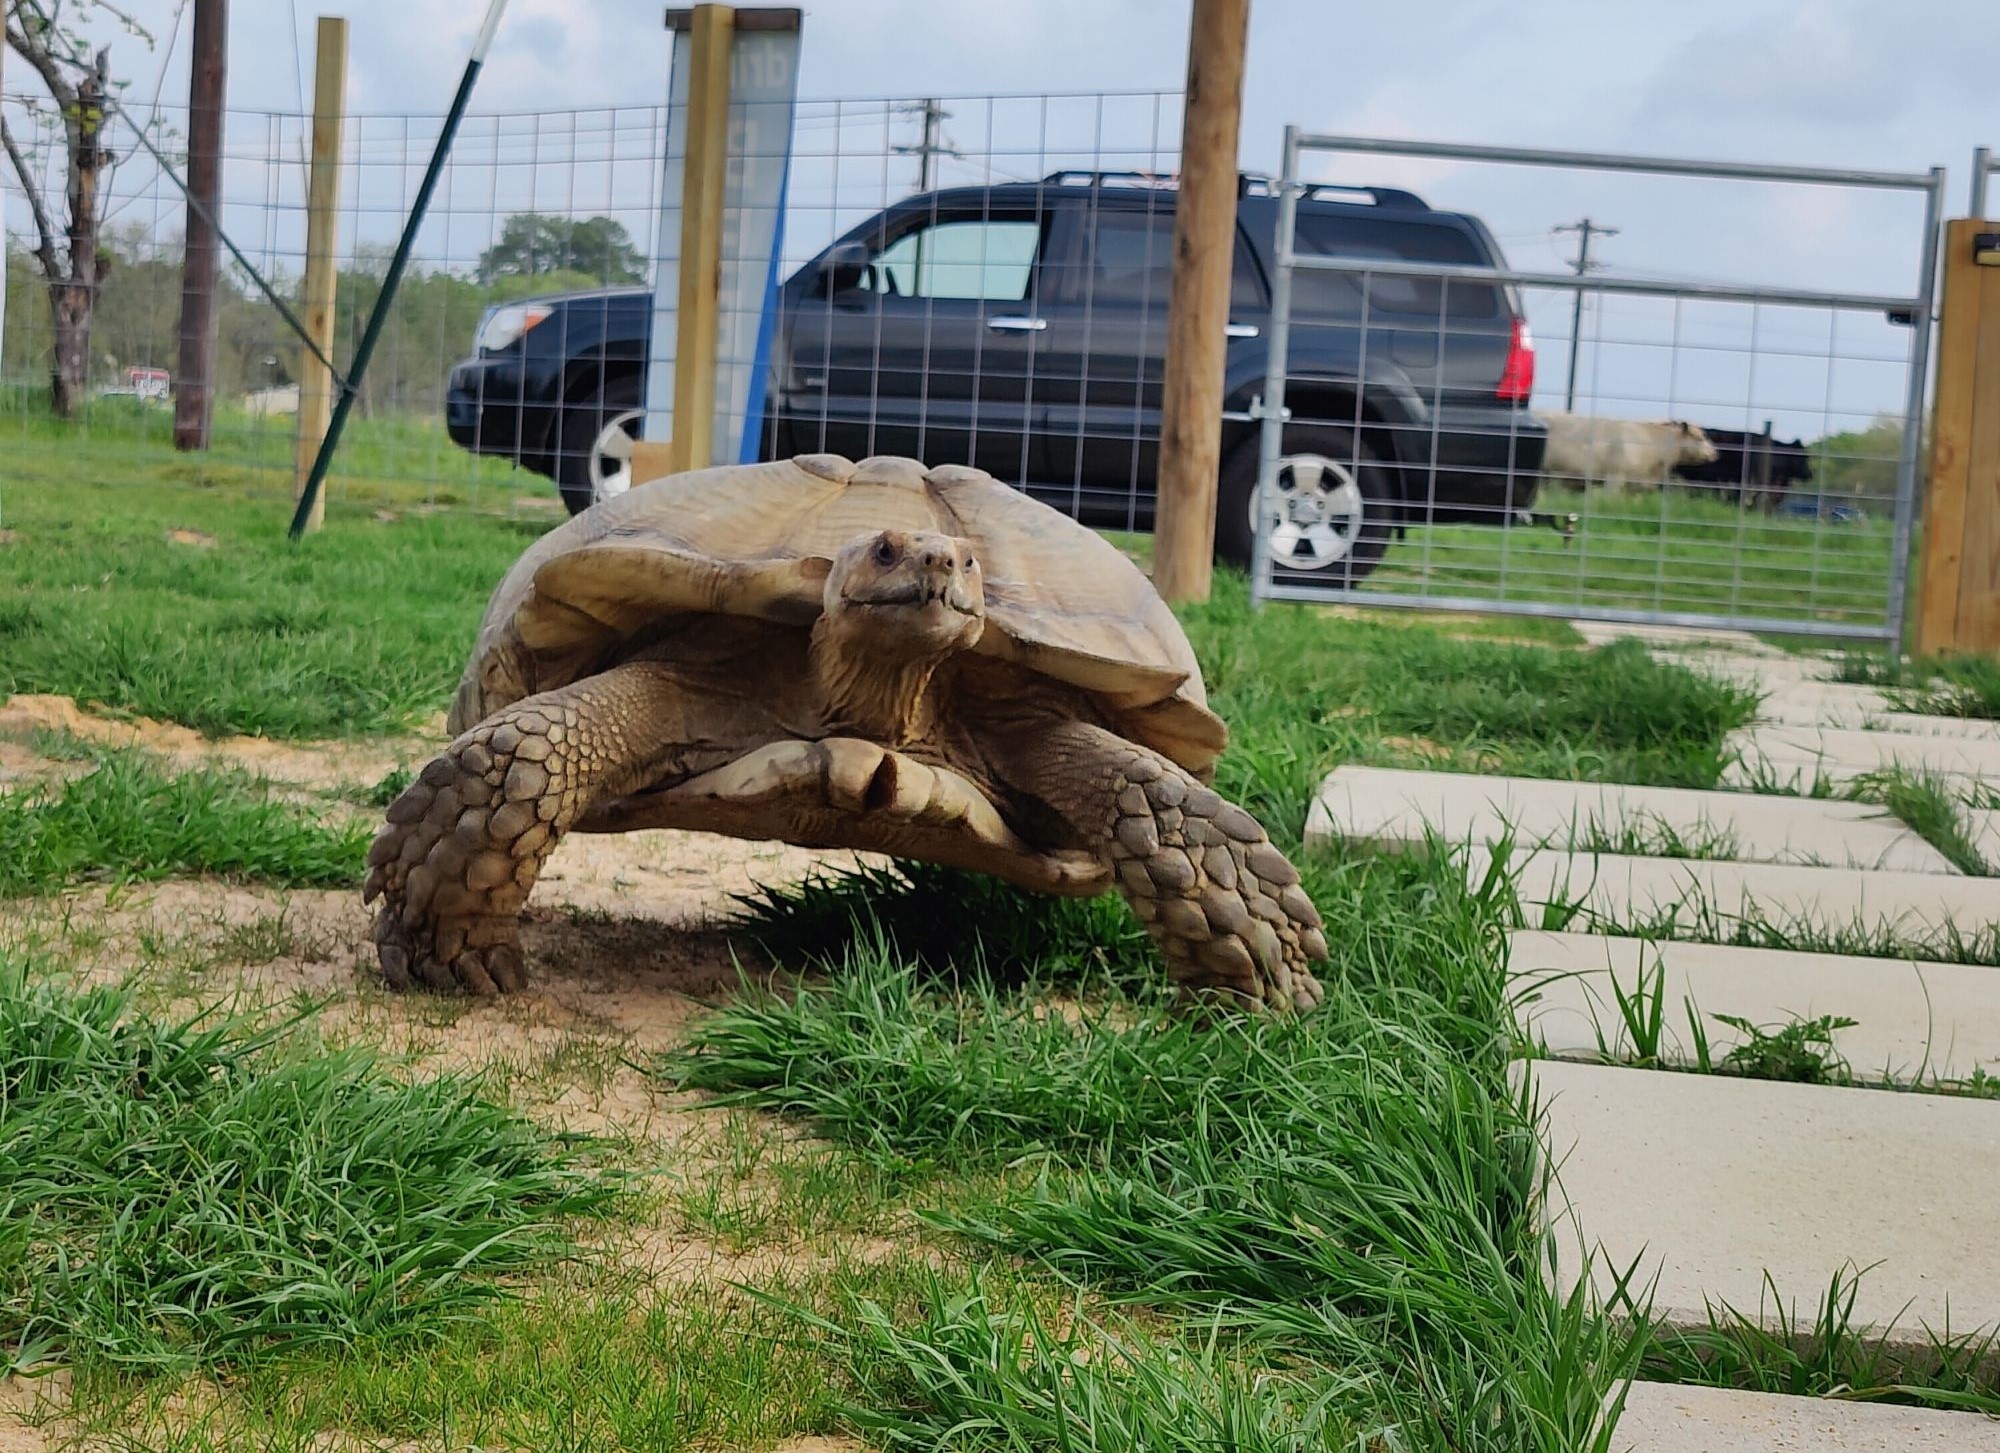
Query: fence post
point(700, 302)
point(1958, 588)
point(1198, 307)
point(322, 242)
point(194, 387)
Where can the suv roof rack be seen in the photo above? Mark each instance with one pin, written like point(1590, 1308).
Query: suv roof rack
point(1247, 184)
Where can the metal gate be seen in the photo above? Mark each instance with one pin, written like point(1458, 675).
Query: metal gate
point(1411, 508)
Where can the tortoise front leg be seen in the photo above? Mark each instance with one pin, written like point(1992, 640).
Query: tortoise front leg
point(1223, 904)
point(463, 844)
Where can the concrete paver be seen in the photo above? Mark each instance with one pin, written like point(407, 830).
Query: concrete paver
point(1918, 1022)
point(1684, 638)
point(1788, 757)
point(1709, 1183)
point(1753, 673)
point(1834, 704)
point(1394, 808)
point(1660, 1418)
point(1703, 897)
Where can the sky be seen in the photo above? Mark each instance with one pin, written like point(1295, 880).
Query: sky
point(1903, 87)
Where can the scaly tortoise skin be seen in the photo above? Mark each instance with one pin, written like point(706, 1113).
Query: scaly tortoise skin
point(922, 663)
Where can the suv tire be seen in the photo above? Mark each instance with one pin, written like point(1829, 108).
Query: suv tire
point(591, 463)
point(1339, 507)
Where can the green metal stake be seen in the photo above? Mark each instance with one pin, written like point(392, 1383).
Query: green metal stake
point(351, 385)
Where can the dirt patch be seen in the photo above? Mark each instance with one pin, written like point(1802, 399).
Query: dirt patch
point(10, 537)
point(300, 764)
point(31, 1412)
point(201, 539)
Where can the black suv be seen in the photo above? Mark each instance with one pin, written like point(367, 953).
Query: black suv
point(1022, 327)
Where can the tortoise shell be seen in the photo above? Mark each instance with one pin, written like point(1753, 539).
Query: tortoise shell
point(757, 540)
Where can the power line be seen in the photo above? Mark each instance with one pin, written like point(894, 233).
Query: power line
point(1585, 230)
point(934, 144)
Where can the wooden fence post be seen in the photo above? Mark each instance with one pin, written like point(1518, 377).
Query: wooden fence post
point(1958, 586)
point(1198, 307)
point(700, 302)
point(322, 242)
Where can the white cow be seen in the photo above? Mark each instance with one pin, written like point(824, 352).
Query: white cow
point(1620, 451)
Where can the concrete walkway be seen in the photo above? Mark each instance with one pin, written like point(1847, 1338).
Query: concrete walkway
point(1710, 901)
point(1917, 1023)
point(1714, 1184)
point(1664, 1419)
point(1716, 1190)
point(1393, 808)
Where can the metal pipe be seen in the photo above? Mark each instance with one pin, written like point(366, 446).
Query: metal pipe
point(380, 312)
point(1559, 610)
point(1613, 162)
point(1982, 172)
point(1785, 297)
point(1908, 459)
point(1271, 437)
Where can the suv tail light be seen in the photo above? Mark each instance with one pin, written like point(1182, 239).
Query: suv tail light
point(1517, 375)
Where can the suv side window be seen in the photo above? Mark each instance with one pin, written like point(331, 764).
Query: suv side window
point(975, 258)
point(1131, 265)
point(1338, 295)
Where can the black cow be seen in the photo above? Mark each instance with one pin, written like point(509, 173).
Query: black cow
point(1749, 468)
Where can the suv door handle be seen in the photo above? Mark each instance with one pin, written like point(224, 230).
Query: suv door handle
point(1018, 325)
point(1240, 330)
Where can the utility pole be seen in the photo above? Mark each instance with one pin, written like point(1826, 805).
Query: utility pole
point(932, 146)
point(194, 380)
point(1585, 230)
point(1198, 304)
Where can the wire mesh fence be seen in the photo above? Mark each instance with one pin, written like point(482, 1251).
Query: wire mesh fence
point(986, 279)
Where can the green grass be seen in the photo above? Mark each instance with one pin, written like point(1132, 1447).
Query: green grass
point(1303, 692)
point(1964, 686)
point(399, 456)
point(205, 1191)
point(1665, 550)
point(127, 819)
point(360, 629)
point(946, 922)
point(1356, 1188)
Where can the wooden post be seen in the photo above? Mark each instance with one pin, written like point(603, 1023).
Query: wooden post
point(1958, 587)
point(195, 381)
point(700, 299)
point(322, 242)
point(1204, 251)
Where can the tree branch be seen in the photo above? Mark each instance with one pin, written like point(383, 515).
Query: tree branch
point(45, 251)
point(37, 54)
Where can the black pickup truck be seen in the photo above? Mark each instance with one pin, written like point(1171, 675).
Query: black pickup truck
point(1021, 327)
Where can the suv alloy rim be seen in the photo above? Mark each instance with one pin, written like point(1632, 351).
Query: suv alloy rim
point(611, 456)
point(1314, 512)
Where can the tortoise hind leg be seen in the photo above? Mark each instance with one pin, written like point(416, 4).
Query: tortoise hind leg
point(462, 846)
point(1223, 904)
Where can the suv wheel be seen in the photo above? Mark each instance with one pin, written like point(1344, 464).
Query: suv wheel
point(595, 457)
point(1329, 518)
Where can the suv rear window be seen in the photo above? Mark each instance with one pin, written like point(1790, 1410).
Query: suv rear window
point(1338, 295)
point(1131, 265)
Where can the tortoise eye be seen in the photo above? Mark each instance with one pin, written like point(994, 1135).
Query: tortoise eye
point(885, 553)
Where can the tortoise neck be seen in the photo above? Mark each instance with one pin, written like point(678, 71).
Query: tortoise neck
point(869, 689)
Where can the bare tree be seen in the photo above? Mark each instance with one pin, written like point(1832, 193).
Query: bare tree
point(70, 260)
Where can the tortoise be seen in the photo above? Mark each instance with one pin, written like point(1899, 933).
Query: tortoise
point(924, 663)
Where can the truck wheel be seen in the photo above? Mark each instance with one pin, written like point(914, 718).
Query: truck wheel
point(1331, 519)
point(594, 458)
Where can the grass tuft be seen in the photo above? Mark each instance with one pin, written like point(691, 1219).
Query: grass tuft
point(129, 820)
point(947, 922)
point(196, 1192)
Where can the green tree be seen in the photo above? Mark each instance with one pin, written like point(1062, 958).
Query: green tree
point(532, 244)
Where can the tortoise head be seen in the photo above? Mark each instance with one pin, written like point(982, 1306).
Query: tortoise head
point(906, 594)
point(896, 604)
